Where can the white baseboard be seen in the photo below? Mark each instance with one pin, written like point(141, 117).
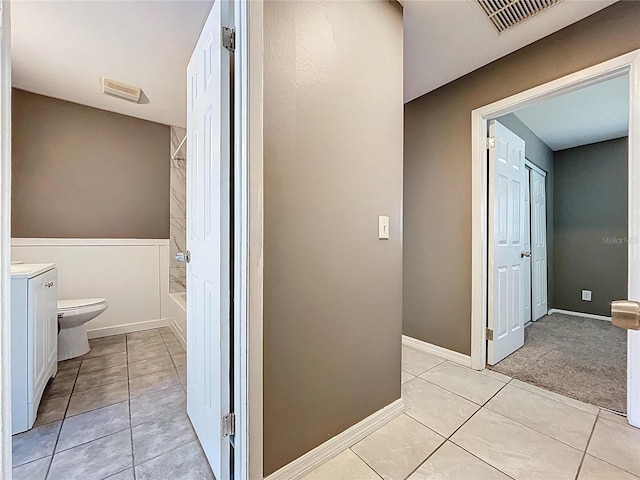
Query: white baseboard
point(456, 357)
point(177, 331)
point(127, 328)
point(579, 314)
point(332, 447)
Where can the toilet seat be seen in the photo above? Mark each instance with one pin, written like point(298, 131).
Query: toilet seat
point(79, 303)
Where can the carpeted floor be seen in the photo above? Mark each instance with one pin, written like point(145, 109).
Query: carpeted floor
point(578, 357)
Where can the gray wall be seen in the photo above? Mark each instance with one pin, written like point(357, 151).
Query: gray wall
point(590, 226)
point(437, 174)
point(538, 153)
point(332, 165)
point(80, 172)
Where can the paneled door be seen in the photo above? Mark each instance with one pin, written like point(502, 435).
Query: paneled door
point(526, 265)
point(506, 306)
point(208, 240)
point(539, 244)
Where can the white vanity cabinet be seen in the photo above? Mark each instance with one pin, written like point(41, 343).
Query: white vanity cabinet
point(34, 338)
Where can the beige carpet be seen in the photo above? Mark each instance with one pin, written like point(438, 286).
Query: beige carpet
point(578, 357)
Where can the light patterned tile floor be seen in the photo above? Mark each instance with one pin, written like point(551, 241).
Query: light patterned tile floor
point(119, 412)
point(460, 424)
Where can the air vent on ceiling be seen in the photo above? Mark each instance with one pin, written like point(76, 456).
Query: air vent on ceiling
point(120, 90)
point(505, 14)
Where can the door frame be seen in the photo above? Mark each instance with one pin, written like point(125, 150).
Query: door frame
point(249, 226)
point(624, 64)
point(5, 240)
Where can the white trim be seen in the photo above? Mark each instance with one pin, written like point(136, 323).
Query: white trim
point(5, 240)
point(64, 242)
point(457, 357)
point(336, 445)
point(241, 247)
point(535, 168)
point(128, 328)
point(628, 63)
point(479, 117)
point(579, 314)
point(177, 331)
point(253, 331)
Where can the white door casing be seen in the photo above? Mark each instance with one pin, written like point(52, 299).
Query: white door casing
point(506, 240)
point(539, 245)
point(526, 265)
point(208, 239)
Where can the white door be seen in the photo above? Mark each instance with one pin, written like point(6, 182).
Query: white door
point(208, 240)
point(539, 244)
point(526, 273)
point(506, 243)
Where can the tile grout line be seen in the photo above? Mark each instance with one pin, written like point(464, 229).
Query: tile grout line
point(362, 460)
point(133, 457)
point(64, 417)
point(584, 454)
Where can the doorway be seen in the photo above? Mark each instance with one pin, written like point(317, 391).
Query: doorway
point(587, 162)
point(626, 64)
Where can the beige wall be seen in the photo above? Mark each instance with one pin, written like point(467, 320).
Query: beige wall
point(80, 172)
point(332, 165)
point(437, 173)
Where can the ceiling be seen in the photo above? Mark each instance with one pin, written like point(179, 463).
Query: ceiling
point(446, 39)
point(589, 115)
point(62, 48)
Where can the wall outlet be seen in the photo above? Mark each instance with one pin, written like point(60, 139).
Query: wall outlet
point(586, 295)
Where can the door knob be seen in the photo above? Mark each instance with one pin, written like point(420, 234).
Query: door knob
point(525, 254)
point(625, 314)
point(183, 257)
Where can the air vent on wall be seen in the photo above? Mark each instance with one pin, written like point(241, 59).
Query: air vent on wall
point(120, 90)
point(505, 14)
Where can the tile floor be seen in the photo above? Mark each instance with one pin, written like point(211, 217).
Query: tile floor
point(460, 424)
point(119, 412)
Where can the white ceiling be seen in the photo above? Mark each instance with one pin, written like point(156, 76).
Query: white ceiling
point(62, 48)
point(446, 39)
point(589, 115)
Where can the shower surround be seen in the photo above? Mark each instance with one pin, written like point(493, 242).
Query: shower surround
point(178, 210)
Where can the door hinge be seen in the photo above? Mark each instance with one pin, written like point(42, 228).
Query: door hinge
point(489, 334)
point(229, 425)
point(229, 38)
point(491, 142)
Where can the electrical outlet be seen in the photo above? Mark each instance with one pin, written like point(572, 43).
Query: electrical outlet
point(586, 295)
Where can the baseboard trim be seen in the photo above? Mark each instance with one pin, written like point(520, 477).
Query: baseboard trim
point(127, 328)
point(579, 314)
point(332, 447)
point(177, 331)
point(456, 357)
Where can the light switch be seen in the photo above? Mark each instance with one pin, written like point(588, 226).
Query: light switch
point(383, 227)
point(586, 295)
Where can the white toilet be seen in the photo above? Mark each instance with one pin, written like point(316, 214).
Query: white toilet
point(72, 315)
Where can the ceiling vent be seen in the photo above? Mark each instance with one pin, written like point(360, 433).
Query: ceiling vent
point(120, 90)
point(505, 14)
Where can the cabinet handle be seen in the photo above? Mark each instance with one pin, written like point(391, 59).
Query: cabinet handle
point(48, 284)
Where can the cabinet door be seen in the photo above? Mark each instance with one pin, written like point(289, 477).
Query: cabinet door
point(51, 320)
point(37, 314)
point(43, 325)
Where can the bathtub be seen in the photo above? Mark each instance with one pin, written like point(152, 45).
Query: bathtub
point(181, 299)
point(178, 312)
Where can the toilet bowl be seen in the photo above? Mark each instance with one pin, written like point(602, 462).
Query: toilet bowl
point(72, 316)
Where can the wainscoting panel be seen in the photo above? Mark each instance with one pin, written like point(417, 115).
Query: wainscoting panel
point(131, 274)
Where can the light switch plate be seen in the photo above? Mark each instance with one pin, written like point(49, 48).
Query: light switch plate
point(383, 227)
point(586, 295)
